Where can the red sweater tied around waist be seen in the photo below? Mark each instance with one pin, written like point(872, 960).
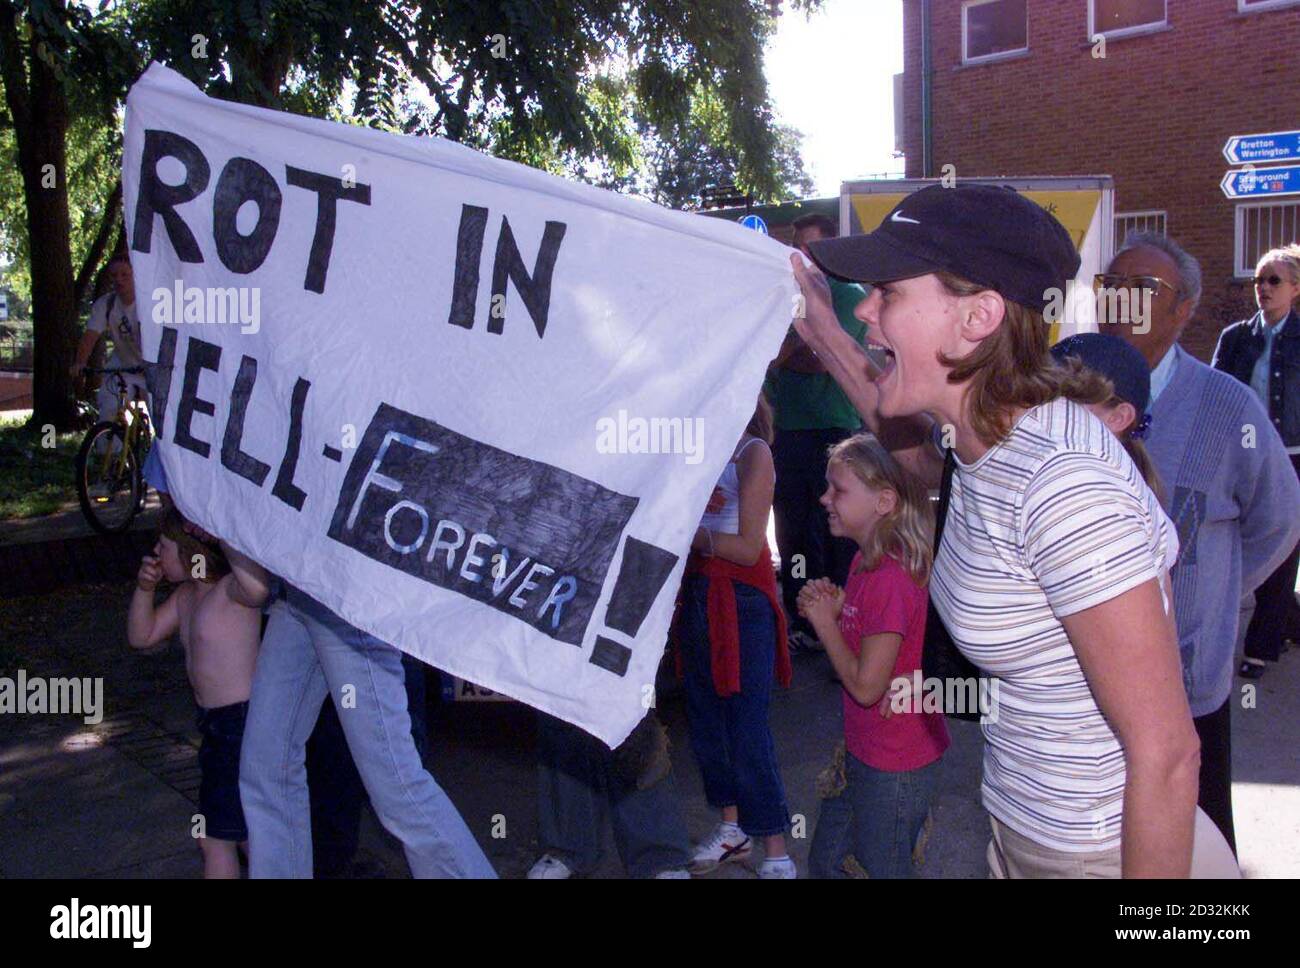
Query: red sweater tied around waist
point(724, 625)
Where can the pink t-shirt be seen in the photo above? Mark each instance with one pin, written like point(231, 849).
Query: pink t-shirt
point(886, 599)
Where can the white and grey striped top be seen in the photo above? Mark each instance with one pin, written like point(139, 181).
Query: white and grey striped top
point(1053, 520)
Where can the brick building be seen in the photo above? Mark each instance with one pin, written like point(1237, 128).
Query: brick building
point(1024, 87)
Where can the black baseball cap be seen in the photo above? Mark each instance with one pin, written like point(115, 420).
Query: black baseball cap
point(988, 234)
point(1114, 359)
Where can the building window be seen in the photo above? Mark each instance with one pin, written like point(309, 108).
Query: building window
point(1251, 6)
point(992, 29)
point(1151, 220)
point(1262, 226)
point(1118, 18)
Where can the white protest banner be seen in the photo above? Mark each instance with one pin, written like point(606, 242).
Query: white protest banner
point(474, 409)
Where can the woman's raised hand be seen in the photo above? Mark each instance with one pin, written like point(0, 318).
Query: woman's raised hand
point(814, 316)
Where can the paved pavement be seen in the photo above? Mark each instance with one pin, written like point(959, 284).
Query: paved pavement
point(115, 799)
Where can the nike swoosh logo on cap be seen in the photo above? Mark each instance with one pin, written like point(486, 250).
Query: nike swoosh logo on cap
point(900, 217)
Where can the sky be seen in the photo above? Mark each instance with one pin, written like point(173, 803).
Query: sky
point(831, 77)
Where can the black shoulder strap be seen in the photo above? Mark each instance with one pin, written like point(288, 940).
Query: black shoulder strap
point(945, 492)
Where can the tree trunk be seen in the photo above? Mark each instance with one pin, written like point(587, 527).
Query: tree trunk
point(54, 306)
point(39, 109)
point(259, 70)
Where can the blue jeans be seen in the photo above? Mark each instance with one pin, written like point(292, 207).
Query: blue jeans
point(731, 737)
point(153, 472)
point(308, 652)
point(577, 786)
point(337, 793)
point(876, 819)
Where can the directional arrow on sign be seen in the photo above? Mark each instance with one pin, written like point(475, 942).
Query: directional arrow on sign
point(1244, 149)
point(1262, 182)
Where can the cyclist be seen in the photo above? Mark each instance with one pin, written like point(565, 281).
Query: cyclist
point(113, 316)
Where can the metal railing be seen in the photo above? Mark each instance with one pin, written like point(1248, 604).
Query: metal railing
point(17, 354)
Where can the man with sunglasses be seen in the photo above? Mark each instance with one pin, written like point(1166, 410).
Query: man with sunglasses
point(1229, 486)
point(1263, 352)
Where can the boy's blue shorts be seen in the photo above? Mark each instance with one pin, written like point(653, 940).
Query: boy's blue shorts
point(222, 730)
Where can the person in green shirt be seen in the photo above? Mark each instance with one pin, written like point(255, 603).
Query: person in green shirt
point(812, 414)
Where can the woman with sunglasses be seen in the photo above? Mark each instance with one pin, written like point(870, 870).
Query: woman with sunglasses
point(1050, 574)
point(1264, 353)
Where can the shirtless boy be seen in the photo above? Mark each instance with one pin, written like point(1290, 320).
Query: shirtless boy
point(216, 607)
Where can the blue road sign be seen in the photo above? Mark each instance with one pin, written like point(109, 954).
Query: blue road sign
point(1262, 182)
point(753, 222)
point(1245, 149)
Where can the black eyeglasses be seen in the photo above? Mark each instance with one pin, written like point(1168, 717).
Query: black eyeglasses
point(1274, 280)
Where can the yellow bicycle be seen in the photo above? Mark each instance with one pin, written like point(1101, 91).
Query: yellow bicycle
point(110, 463)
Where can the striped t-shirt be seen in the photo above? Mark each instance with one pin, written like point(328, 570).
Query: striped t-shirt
point(1051, 521)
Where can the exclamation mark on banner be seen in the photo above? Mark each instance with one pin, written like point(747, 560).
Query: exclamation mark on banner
point(641, 575)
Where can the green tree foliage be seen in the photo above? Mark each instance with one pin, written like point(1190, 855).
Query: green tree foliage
point(697, 154)
point(58, 61)
point(670, 164)
point(551, 84)
point(658, 96)
point(94, 166)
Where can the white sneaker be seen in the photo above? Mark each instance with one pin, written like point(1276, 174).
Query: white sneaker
point(727, 844)
point(549, 868)
point(777, 869)
point(673, 874)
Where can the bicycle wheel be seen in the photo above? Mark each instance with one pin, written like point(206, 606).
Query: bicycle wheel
point(108, 479)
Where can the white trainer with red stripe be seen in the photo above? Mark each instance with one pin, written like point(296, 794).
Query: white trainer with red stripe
point(727, 844)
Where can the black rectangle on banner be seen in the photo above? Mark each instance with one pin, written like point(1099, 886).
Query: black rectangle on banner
point(529, 539)
point(644, 570)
